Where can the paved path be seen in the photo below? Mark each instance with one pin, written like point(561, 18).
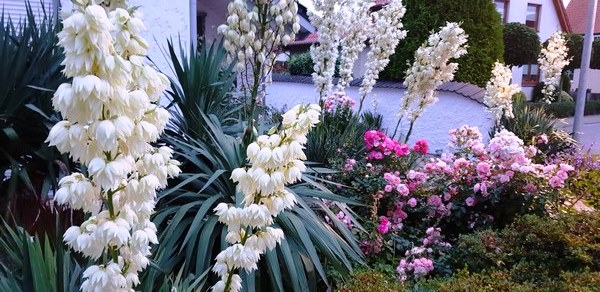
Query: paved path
point(591, 131)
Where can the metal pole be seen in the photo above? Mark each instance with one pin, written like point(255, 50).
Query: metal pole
point(194, 24)
point(583, 70)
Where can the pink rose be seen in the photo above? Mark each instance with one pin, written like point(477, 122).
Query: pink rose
point(421, 146)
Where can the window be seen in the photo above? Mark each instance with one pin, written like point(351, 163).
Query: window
point(200, 24)
point(502, 8)
point(532, 19)
point(531, 75)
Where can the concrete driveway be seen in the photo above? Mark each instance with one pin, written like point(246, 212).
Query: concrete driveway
point(591, 131)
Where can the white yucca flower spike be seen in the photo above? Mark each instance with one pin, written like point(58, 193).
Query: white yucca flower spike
point(275, 161)
point(553, 59)
point(384, 36)
point(431, 68)
point(254, 40)
point(499, 92)
point(112, 116)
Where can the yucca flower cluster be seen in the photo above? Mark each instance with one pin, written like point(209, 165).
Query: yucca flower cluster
point(330, 18)
point(431, 68)
point(354, 39)
point(553, 58)
point(111, 115)
point(275, 160)
point(499, 92)
point(384, 36)
point(254, 32)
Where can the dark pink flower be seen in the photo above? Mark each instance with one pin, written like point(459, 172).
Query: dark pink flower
point(421, 146)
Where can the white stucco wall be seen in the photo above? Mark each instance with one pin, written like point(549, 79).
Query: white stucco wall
point(451, 111)
point(163, 19)
point(593, 80)
point(549, 23)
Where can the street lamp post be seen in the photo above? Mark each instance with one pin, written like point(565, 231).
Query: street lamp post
point(583, 70)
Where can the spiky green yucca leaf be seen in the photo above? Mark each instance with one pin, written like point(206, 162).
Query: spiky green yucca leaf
point(203, 83)
point(192, 236)
point(33, 264)
point(29, 61)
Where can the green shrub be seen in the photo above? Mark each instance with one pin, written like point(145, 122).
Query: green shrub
point(566, 109)
point(478, 18)
point(534, 249)
point(575, 46)
point(521, 44)
point(372, 281)
point(501, 281)
point(338, 135)
point(300, 64)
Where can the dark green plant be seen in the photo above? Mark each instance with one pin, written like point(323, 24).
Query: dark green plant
point(372, 281)
point(565, 109)
point(338, 135)
point(300, 64)
point(191, 236)
point(575, 46)
point(534, 249)
point(203, 84)
point(521, 44)
point(527, 123)
point(478, 18)
point(33, 263)
point(30, 68)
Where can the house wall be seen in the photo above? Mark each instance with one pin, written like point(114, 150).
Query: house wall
point(216, 14)
point(593, 79)
point(549, 23)
point(451, 111)
point(164, 19)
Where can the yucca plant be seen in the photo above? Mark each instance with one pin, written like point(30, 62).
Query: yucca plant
point(203, 83)
point(191, 236)
point(29, 70)
point(33, 263)
point(340, 134)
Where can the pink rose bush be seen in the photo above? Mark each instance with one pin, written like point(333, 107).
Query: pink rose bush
point(418, 204)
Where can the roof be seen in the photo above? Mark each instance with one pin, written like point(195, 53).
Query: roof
point(577, 11)
point(310, 39)
point(561, 12)
point(467, 90)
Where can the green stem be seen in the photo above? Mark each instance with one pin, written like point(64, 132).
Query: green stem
point(397, 126)
point(410, 128)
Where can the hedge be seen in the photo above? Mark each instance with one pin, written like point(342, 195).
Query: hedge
point(566, 109)
point(478, 18)
point(521, 44)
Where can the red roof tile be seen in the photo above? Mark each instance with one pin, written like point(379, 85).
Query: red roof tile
point(308, 40)
point(577, 11)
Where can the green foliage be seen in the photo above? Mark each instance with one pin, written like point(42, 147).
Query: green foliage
point(566, 109)
point(338, 135)
point(33, 264)
point(575, 46)
point(521, 44)
point(203, 85)
point(500, 281)
point(478, 18)
point(300, 64)
point(372, 281)
point(527, 123)
point(191, 236)
point(29, 69)
point(534, 249)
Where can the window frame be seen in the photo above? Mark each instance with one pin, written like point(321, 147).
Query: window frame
point(538, 12)
point(506, 4)
point(527, 82)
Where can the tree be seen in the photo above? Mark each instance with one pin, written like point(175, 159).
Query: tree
point(575, 45)
point(521, 44)
point(478, 18)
